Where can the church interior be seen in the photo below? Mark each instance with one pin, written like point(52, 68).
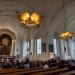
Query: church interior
point(37, 37)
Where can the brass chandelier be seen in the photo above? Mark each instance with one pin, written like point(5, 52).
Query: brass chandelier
point(30, 19)
point(66, 34)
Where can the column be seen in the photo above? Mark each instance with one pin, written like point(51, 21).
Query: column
point(71, 52)
point(62, 49)
point(47, 46)
point(47, 43)
point(58, 47)
point(13, 48)
point(66, 46)
point(31, 47)
point(21, 48)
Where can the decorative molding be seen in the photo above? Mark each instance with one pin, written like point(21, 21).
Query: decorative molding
point(7, 31)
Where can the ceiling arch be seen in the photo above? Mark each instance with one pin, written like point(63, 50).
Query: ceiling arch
point(7, 31)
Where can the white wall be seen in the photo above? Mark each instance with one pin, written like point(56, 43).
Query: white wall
point(53, 20)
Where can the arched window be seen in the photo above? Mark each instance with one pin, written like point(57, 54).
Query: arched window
point(55, 46)
point(26, 48)
point(38, 46)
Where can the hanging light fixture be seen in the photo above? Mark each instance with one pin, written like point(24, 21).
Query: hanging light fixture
point(66, 34)
point(30, 19)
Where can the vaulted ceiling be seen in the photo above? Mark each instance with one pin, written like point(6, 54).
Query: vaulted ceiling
point(47, 8)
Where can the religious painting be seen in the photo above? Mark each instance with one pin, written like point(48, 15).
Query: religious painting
point(5, 44)
point(5, 41)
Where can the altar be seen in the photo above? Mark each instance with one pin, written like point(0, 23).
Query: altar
point(6, 58)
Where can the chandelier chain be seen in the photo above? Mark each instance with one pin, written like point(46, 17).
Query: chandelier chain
point(65, 17)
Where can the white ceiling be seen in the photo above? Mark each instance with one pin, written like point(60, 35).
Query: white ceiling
point(48, 8)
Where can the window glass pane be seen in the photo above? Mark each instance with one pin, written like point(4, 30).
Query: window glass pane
point(73, 46)
point(38, 46)
point(25, 49)
point(55, 46)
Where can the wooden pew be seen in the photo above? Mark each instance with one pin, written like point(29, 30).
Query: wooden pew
point(17, 72)
point(8, 69)
point(68, 73)
point(37, 72)
point(13, 70)
point(52, 72)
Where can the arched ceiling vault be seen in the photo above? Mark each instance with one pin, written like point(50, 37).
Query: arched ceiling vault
point(48, 8)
